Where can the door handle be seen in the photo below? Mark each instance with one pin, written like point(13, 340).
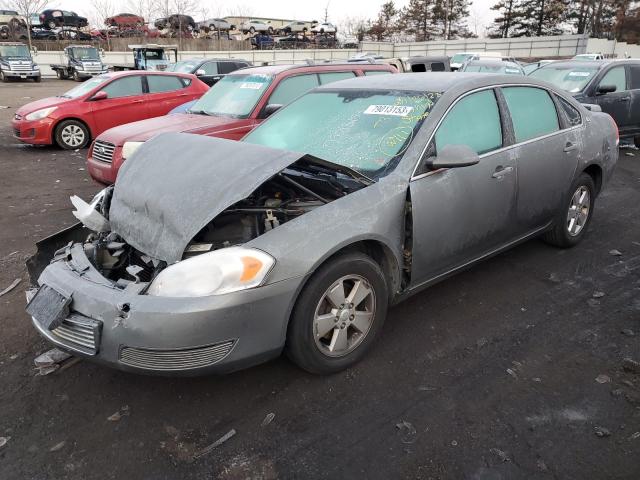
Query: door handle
point(624, 99)
point(501, 171)
point(569, 147)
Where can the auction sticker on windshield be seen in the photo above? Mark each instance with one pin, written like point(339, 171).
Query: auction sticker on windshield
point(396, 110)
point(252, 85)
point(579, 74)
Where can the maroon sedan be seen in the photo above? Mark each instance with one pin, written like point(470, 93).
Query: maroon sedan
point(232, 108)
point(71, 120)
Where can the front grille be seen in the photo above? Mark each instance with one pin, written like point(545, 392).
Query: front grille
point(175, 360)
point(103, 151)
point(80, 332)
point(20, 68)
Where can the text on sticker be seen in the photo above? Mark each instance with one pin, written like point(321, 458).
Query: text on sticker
point(397, 110)
point(252, 85)
point(579, 74)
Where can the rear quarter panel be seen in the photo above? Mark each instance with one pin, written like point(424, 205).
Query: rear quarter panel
point(599, 144)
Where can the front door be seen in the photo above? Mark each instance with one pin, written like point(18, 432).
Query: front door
point(618, 103)
point(460, 214)
point(124, 104)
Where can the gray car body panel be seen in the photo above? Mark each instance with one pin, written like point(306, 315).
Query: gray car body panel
point(259, 317)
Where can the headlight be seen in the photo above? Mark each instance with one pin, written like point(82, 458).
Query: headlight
point(39, 114)
point(129, 147)
point(79, 67)
point(35, 67)
point(214, 273)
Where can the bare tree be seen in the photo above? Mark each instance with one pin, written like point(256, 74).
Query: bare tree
point(27, 8)
point(146, 9)
point(103, 9)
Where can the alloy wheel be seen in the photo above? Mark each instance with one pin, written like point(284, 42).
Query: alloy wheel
point(579, 210)
point(72, 135)
point(344, 315)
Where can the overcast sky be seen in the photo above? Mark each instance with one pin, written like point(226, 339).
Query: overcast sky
point(480, 13)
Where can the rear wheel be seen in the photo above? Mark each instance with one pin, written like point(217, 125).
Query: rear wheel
point(575, 215)
point(338, 315)
point(61, 75)
point(71, 135)
point(76, 76)
point(636, 141)
point(52, 24)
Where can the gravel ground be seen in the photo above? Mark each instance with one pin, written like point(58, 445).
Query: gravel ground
point(513, 369)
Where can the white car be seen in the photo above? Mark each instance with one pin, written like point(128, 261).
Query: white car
point(295, 27)
point(589, 57)
point(11, 16)
point(325, 27)
point(253, 26)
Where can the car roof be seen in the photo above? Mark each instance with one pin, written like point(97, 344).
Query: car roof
point(591, 63)
point(276, 69)
point(203, 59)
point(429, 82)
point(128, 73)
point(494, 63)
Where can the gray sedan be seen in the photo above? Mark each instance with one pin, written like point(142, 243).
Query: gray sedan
point(210, 255)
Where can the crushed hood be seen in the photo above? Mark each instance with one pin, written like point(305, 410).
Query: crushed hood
point(176, 183)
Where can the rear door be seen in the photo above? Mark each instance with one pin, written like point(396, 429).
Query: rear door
point(634, 120)
point(165, 92)
point(618, 103)
point(461, 214)
point(211, 73)
point(546, 153)
point(124, 104)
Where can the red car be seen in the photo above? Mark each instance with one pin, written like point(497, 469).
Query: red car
point(124, 20)
point(234, 106)
point(71, 120)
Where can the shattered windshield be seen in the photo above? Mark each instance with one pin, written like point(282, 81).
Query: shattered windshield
point(233, 96)
point(572, 78)
point(367, 131)
point(15, 51)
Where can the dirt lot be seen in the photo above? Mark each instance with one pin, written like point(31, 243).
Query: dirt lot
point(489, 375)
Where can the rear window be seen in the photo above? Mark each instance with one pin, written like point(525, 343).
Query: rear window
point(532, 111)
point(162, 83)
point(635, 77)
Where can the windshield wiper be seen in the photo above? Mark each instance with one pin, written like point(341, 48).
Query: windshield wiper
point(320, 164)
point(197, 112)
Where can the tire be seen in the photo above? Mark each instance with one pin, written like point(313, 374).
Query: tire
point(72, 135)
point(564, 233)
point(636, 141)
point(52, 24)
point(3, 77)
point(313, 353)
point(61, 75)
point(76, 76)
point(252, 30)
point(37, 79)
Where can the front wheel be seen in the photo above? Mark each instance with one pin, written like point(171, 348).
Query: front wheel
point(636, 141)
point(71, 135)
point(338, 315)
point(574, 216)
point(37, 79)
point(76, 76)
point(3, 77)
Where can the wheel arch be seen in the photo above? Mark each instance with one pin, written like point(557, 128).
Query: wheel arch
point(595, 172)
point(77, 119)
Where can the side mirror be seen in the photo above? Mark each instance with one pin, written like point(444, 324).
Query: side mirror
point(454, 156)
point(271, 109)
point(34, 50)
point(101, 95)
point(200, 72)
point(604, 89)
point(102, 54)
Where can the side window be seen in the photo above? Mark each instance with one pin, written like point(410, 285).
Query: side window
point(437, 67)
point(418, 67)
point(124, 87)
point(635, 77)
point(376, 72)
point(292, 87)
point(226, 67)
point(573, 115)
point(617, 77)
point(532, 111)
point(473, 121)
point(210, 68)
point(334, 77)
point(162, 83)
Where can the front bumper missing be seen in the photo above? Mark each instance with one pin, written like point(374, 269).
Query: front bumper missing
point(174, 336)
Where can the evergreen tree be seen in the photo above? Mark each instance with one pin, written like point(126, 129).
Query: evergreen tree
point(385, 24)
point(503, 23)
point(538, 17)
point(451, 15)
point(417, 19)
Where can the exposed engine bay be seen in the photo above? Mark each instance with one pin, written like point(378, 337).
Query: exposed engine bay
point(289, 194)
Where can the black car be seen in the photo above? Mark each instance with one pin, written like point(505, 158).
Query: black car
point(43, 34)
point(62, 18)
point(176, 22)
point(209, 70)
point(614, 85)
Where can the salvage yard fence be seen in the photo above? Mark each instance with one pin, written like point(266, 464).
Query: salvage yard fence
point(562, 46)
